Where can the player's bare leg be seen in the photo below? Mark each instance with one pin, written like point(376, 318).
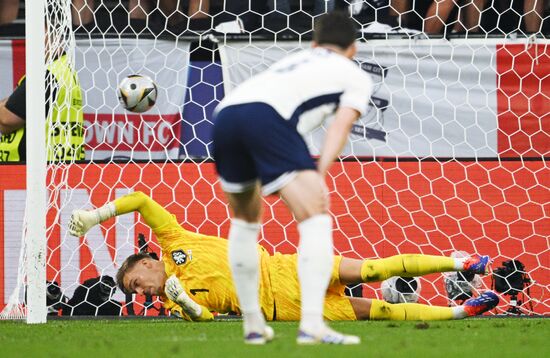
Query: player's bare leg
point(307, 198)
point(244, 261)
point(366, 309)
point(354, 271)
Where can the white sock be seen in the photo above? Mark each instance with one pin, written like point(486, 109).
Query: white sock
point(244, 262)
point(459, 263)
point(459, 312)
point(315, 258)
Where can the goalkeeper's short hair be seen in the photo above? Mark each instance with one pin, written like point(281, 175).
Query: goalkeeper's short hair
point(127, 265)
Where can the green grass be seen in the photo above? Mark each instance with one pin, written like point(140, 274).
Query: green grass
point(502, 337)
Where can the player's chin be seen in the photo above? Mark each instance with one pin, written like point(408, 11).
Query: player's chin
point(156, 291)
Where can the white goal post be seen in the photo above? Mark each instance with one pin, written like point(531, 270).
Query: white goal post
point(35, 218)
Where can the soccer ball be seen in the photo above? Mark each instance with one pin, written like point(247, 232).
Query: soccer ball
point(401, 289)
point(137, 93)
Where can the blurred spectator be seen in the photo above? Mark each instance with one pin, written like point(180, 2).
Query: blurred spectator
point(287, 16)
point(430, 16)
point(469, 16)
point(8, 11)
point(366, 12)
point(437, 16)
point(261, 14)
point(546, 19)
point(442, 16)
point(198, 9)
point(533, 13)
point(83, 12)
point(139, 12)
point(503, 16)
point(323, 6)
point(507, 16)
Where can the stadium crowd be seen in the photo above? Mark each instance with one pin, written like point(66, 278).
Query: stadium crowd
point(293, 17)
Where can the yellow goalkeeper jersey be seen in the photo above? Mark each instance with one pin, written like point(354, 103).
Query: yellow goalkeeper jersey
point(200, 262)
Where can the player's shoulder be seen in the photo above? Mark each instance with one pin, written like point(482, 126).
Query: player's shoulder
point(354, 76)
point(339, 64)
point(351, 67)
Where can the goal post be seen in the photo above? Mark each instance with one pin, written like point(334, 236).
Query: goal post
point(34, 232)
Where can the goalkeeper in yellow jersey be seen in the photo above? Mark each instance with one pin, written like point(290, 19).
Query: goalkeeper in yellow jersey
point(194, 279)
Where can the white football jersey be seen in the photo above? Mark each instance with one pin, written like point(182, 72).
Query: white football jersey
point(307, 87)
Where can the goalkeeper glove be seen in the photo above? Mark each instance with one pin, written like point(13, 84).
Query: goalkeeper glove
point(82, 220)
point(175, 292)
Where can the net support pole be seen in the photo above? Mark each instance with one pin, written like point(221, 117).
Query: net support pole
point(35, 218)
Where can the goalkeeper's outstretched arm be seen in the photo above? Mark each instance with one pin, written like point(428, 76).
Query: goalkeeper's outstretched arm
point(153, 213)
point(155, 216)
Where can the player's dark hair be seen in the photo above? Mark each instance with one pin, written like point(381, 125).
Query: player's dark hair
point(127, 265)
point(335, 28)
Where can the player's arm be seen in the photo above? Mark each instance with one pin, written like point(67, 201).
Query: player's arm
point(353, 104)
point(12, 111)
point(337, 135)
point(175, 292)
point(152, 212)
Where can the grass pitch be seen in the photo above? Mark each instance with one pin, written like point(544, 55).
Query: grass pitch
point(499, 337)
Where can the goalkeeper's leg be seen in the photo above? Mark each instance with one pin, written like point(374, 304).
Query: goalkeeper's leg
point(408, 265)
point(380, 310)
point(154, 215)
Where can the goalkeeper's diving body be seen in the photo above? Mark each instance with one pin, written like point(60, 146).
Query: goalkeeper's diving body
point(193, 276)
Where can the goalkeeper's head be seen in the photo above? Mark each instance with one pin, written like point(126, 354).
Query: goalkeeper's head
point(141, 274)
point(336, 31)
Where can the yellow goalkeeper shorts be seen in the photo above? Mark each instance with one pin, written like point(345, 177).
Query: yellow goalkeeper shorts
point(283, 270)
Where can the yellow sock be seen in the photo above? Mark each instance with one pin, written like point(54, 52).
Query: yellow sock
point(409, 265)
point(381, 310)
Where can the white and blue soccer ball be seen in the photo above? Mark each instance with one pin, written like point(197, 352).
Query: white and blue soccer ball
point(401, 289)
point(137, 93)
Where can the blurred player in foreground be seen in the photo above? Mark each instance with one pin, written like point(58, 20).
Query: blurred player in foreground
point(194, 278)
point(257, 140)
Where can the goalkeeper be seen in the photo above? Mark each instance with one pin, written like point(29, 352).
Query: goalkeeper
point(193, 277)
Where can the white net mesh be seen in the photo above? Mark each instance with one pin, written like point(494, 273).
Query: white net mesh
point(451, 155)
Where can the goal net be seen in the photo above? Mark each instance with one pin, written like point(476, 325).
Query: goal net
point(451, 157)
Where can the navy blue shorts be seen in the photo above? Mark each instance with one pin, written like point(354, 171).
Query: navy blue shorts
point(252, 141)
